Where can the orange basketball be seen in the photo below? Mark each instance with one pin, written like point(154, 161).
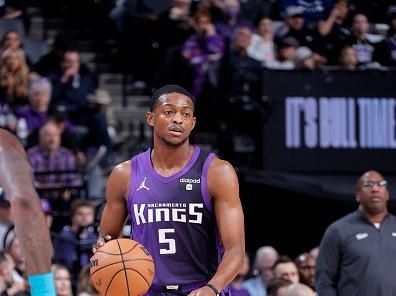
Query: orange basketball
point(122, 267)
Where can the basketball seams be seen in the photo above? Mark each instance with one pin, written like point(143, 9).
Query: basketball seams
point(127, 251)
point(143, 277)
point(108, 286)
point(118, 262)
point(123, 264)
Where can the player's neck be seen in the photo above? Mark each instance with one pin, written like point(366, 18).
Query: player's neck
point(167, 160)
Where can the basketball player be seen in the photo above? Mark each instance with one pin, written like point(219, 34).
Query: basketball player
point(183, 202)
point(16, 178)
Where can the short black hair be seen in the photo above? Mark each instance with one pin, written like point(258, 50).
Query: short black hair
point(167, 89)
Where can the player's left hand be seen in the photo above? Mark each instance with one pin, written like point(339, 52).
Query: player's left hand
point(203, 291)
point(100, 242)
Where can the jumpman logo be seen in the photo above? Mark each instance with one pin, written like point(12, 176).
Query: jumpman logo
point(143, 185)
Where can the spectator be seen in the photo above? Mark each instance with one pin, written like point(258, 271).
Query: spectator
point(357, 254)
point(294, 26)
point(72, 84)
point(63, 284)
point(313, 10)
point(50, 157)
point(242, 73)
point(71, 87)
point(265, 259)
point(285, 268)
point(13, 39)
point(231, 20)
point(236, 285)
point(14, 77)
point(13, 248)
point(51, 62)
point(203, 52)
point(305, 59)
point(298, 289)
point(84, 285)
point(73, 245)
point(262, 46)
point(36, 112)
point(8, 285)
point(335, 30)
point(306, 269)
point(348, 59)
point(285, 55)
point(367, 51)
point(278, 287)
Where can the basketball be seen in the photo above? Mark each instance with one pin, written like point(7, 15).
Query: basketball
point(122, 267)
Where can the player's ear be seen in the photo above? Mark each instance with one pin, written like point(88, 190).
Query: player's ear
point(194, 122)
point(150, 118)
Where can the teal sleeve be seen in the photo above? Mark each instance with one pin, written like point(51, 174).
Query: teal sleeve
point(42, 284)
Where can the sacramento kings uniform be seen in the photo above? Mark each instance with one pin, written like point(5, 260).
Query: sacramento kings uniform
point(173, 218)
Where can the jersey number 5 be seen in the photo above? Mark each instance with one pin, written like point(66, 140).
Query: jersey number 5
point(171, 248)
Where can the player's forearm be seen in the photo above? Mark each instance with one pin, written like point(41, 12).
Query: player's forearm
point(229, 267)
point(111, 222)
point(32, 230)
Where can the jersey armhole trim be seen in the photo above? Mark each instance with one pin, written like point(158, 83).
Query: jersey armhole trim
point(133, 182)
point(204, 185)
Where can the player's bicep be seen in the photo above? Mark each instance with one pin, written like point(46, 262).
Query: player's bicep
point(224, 189)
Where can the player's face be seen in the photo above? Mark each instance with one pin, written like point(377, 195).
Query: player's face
point(173, 119)
point(372, 193)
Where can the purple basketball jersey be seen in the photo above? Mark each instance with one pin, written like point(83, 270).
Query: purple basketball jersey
point(173, 218)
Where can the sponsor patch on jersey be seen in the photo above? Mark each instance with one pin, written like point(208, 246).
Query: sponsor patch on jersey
point(360, 236)
point(188, 180)
point(188, 187)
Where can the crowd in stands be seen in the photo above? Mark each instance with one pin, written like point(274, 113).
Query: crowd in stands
point(275, 275)
point(215, 48)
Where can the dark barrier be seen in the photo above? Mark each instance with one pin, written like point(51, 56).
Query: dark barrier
point(332, 121)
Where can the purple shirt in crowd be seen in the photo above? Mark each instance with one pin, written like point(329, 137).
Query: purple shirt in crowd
point(199, 50)
point(61, 160)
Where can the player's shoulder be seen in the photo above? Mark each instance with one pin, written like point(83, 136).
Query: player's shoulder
point(122, 170)
point(221, 173)
point(220, 166)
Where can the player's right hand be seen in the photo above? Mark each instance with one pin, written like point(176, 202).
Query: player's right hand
point(100, 242)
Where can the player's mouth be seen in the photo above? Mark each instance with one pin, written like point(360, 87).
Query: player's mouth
point(176, 130)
